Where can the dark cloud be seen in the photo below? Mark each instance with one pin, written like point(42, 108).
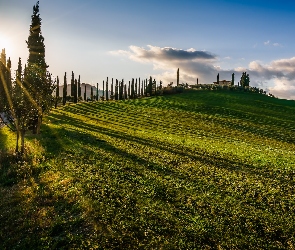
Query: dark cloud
point(176, 54)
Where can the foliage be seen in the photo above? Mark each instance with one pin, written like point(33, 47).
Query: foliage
point(245, 80)
point(37, 81)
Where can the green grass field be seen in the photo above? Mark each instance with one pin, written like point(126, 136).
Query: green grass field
point(198, 170)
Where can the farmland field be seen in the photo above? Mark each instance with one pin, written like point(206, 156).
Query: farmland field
point(197, 170)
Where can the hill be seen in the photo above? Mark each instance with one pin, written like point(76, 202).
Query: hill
point(202, 170)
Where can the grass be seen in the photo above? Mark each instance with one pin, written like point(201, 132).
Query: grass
point(198, 170)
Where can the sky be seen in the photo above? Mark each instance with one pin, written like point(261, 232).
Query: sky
point(138, 38)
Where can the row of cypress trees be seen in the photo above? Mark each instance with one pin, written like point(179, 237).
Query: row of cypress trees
point(114, 90)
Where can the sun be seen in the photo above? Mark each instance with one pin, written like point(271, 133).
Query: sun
point(5, 42)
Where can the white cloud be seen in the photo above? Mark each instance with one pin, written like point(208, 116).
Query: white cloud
point(267, 42)
point(204, 65)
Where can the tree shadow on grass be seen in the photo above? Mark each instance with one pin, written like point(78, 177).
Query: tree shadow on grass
point(198, 154)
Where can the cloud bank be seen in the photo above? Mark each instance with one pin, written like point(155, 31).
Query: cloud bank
point(203, 65)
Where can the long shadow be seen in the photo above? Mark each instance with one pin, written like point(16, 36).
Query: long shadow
point(273, 120)
point(199, 154)
point(41, 221)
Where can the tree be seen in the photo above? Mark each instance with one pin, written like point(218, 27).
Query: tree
point(75, 91)
point(57, 92)
point(245, 80)
point(65, 88)
point(5, 83)
point(177, 81)
point(97, 91)
point(91, 93)
point(79, 88)
point(37, 81)
point(107, 89)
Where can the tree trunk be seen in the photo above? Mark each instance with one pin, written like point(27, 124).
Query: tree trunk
point(22, 141)
point(17, 139)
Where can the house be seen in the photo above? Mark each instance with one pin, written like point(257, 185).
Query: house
point(224, 83)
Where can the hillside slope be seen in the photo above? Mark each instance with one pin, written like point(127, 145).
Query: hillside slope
point(201, 169)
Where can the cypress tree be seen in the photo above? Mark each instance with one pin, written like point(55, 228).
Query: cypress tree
point(97, 91)
point(85, 93)
point(135, 89)
point(72, 85)
point(37, 82)
point(151, 86)
point(129, 90)
point(91, 94)
point(107, 89)
point(142, 89)
point(122, 89)
point(177, 77)
point(75, 91)
point(132, 88)
point(65, 87)
point(112, 89)
point(138, 87)
point(233, 79)
point(102, 90)
point(79, 88)
point(57, 92)
point(116, 90)
point(125, 92)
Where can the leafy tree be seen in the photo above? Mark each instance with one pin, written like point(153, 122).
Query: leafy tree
point(245, 80)
point(37, 81)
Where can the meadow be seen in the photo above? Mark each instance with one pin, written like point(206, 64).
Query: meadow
point(197, 170)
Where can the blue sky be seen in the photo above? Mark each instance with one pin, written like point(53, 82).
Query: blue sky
point(129, 39)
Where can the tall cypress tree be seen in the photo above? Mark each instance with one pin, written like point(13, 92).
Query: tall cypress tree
point(57, 92)
point(121, 90)
point(75, 91)
point(107, 89)
point(97, 91)
point(37, 82)
point(112, 89)
point(103, 90)
point(177, 80)
point(91, 93)
point(116, 90)
point(79, 88)
point(72, 85)
point(65, 88)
